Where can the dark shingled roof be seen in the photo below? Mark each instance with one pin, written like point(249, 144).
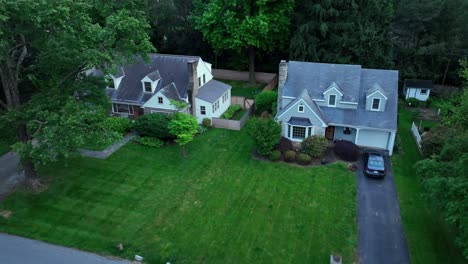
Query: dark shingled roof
point(299, 121)
point(355, 82)
point(212, 90)
point(170, 68)
point(154, 76)
point(171, 92)
point(416, 83)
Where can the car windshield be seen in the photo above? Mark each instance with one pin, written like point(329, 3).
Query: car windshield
point(375, 162)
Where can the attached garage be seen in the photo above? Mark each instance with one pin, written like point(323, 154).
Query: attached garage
point(373, 138)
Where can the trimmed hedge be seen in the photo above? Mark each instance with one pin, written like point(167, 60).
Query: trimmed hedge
point(290, 156)
point(275, 155)
point(120, 125)
point(264, 101)
point(304, 159)
point(315, 146)
point(154, 125)
point(346, 150)
point(150, 142)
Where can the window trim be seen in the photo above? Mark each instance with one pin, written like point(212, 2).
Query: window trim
point(378, 106)
point(425, 91)
point(299, 108)
point(347, 131)
point(129, 107)
point(308, 131)
point(204, 79)
point(202, 110)
point(199, 82)
point(334, 100)
point(150, 86)
point(160, 100)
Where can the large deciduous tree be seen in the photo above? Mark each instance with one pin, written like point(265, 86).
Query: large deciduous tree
point(45, 45)
point(244, 24)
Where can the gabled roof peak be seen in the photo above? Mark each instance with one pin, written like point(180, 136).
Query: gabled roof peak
point(154, 76)
point(334, 86)
point(375, 88)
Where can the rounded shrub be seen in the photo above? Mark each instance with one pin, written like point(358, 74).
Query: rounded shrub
point(150, 142)
point(264, 101)
point(206, 122)
point(275, 155)
point(154, 125)
point(315, 146)
point(284, 145)
point(120, 125)
point(346, 150)
point(290, 156)
point(304, 159)
point(266, 134)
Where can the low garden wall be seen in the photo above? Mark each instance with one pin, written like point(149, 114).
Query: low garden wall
point(242, 101)
point(233, 124)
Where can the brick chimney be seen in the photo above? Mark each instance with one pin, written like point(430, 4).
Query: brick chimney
point(283, 75)
point(192, 85)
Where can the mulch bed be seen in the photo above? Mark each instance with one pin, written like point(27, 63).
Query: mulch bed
point(329, 157)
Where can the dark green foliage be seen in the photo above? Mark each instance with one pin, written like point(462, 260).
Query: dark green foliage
point(154, 125)
point(413, 102)
point(290, 156)
point(201, 129)
point(284, 144)
point(150, 142)
point(275, 155)
point(265, 132)
point(315, 146)
point(343, 32)
point(265, 101)
point(232, 109)
point(346, 150)
point(304, 159)
point(206, 122)
point(118, 124)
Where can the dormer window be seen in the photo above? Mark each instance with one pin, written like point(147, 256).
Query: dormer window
point(332, 100)
point(300, 109)
point(148, 87)
point(376, 104)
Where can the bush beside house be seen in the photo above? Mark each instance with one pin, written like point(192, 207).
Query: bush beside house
point(315, 146)
point(266, 102)
point(118, 124)
point(154, 125)
point(346, 150)
point(265, 132)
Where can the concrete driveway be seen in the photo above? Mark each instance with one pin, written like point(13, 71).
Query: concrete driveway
point(18, 250)
point(381, 238)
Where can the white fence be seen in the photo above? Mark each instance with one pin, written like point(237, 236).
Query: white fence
point(416, 135)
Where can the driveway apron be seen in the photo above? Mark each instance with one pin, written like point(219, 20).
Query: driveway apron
point(381, 237)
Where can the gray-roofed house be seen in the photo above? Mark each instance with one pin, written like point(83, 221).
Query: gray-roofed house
point(419, 89)
point(142, 88)
point(338, 101)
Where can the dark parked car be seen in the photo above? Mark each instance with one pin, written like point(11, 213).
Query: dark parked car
point(374, 165)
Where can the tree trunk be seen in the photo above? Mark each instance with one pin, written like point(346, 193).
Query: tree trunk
point(252, 65)
point(30, 172)
point(184, 151)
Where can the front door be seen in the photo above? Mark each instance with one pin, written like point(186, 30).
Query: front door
point(329, 132)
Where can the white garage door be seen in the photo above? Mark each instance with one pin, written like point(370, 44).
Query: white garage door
point(372, 138)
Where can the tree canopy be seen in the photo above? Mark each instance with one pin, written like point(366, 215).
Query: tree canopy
point(184, 127)
point(243, 24)
point(45, 47)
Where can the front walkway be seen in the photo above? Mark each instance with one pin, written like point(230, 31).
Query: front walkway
point(108, 151)
point(14, 249)
point(381, 237)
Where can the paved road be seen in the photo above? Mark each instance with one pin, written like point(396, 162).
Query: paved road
point(18, 250)
point(10, 175)
point(381, 237)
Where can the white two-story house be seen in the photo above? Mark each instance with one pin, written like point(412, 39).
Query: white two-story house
point(338, 101)
point(142, 88)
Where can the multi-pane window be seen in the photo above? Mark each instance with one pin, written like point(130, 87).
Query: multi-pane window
point(332, 100)
point(160, 100)
point(215, 106)
point(203, 110)
point(148, 87)
point(122, 108)
point(376, 104)
point(301, 109)
point(347, 131)
point(199, 81)
point(310, 131)
point(423, 91)
point(298, 132)
point(204, 79)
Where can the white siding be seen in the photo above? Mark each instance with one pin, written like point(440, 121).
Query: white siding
point(416, 93)
point(204, 68)
point(153, 102)
point(209, 108)
point(153, 84)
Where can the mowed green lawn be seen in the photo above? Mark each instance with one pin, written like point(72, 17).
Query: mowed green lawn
point(217, 206)
point(242, 88)
point(429, 240)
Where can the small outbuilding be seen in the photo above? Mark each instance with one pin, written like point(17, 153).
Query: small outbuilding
point(419, 89)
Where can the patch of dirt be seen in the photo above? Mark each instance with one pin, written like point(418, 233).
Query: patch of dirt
point(5, 214)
